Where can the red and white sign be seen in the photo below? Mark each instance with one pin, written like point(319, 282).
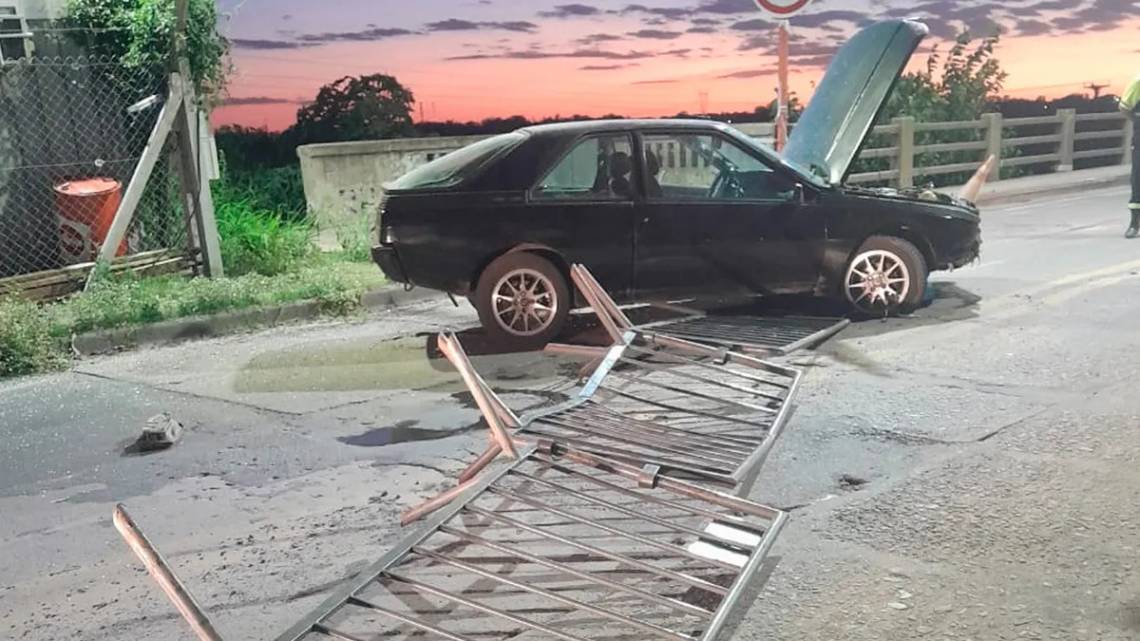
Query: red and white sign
point(782, 8)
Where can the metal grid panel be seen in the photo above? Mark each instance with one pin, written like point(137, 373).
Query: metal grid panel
point(714, 419)
point(779, 334)
point(561, 545)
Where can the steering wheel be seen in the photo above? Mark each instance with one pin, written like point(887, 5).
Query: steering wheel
point(727, 185)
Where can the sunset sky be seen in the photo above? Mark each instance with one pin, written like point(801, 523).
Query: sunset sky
point(471, 59)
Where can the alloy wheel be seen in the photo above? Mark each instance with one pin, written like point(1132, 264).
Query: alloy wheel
point(524, 302)
point(877, 280)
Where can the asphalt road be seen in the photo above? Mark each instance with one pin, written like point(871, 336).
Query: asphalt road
point(968, 473)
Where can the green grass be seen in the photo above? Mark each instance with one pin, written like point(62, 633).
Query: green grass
point(36, 338)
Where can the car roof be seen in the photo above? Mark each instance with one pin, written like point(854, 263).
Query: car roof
point(580, 127)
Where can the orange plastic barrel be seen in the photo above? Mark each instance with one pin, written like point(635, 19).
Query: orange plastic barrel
point(86, 210)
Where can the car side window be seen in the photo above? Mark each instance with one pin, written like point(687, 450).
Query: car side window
point(687, 166)
point(596, 168)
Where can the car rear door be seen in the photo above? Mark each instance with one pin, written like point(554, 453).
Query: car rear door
point(718, 220)
point(583, 207)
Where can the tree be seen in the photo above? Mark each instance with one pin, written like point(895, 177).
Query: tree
point(965, 87)
point(357, 108)
point(138, 34)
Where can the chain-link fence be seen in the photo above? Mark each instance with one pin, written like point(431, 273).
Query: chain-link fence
point(69, 143)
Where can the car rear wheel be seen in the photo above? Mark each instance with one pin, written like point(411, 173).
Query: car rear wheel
point(523, 300)
point(886, 276)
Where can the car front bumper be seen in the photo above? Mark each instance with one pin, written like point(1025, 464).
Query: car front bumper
point(389, 262)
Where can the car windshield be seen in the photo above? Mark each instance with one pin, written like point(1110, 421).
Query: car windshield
point(814, 175)
point(453, 168)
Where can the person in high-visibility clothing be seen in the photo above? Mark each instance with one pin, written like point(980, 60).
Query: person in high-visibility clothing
point(1130, 105)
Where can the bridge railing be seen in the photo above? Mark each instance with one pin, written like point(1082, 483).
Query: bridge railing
point(906, 152)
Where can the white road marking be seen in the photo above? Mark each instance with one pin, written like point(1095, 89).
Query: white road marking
point(1043, 202)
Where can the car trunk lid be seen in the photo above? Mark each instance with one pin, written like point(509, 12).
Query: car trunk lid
point(850, 97)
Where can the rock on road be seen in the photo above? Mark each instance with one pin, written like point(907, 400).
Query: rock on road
point(968, 473)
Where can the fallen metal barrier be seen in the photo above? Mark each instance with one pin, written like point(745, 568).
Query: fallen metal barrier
point(765, 334)
point(560, 543)
point(713, 418)
point(772, 335)
point(590, 533)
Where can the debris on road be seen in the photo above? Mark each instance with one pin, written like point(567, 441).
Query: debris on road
point(159, 433)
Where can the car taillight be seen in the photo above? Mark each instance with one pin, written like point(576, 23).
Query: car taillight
point(387, 235)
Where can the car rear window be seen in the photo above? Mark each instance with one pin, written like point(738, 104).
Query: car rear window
point(453, 168)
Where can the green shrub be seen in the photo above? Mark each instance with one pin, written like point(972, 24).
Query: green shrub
point(28, 343)
point(260, 241)
point(355, 238)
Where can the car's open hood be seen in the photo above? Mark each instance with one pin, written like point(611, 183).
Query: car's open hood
point(848, 100)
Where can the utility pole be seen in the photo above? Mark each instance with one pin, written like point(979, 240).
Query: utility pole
point(1096, 89)
point(703, 97)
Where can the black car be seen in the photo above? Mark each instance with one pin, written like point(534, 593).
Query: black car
point(674, 209)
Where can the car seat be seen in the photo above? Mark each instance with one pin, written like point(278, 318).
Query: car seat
point(621, 166)
point(652, 169)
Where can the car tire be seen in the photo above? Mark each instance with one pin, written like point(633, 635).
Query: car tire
point(523, 300)
point(886, 276)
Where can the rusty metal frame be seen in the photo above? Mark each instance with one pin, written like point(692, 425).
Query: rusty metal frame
point(714, 418)
point(718, 532)
point(746, 334)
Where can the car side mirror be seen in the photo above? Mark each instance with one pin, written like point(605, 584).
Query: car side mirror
point(799, 196)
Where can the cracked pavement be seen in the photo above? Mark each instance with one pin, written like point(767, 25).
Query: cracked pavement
point(968, 473)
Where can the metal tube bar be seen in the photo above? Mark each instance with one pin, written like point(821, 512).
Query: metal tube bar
point(723, 476)
point(478, 464)
point(416, 513)
point(625, 510)
point(607, 301)
point(591, 297)
point(478, 389)
point(681, 390)
point(604, 419)
point(675, 408)
point(403, 618)
point(613, 556)
point(475, 605)
point(533, 589)
point(160, 571)
point(576, 351)
point(622, 434)
point(677, 487)
point(675, 604)
point(748, 571)
point(659, 367)
point(618, 532)
point(695, 511)
point(705, 365)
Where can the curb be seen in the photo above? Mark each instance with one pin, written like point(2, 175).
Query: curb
point(1015, 189)
point(197, 327)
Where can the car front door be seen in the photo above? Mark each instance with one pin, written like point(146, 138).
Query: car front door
point(718, 220)
point(583, 207)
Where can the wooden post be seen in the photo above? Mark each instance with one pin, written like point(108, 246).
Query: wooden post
point(1068, 131)
point(904, 162)
point(201, 206)
point(1129, 133)
point(143, 170)
point(993, 130)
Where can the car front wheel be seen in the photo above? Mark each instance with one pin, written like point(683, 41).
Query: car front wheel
point(886, 276)
point(523, 300)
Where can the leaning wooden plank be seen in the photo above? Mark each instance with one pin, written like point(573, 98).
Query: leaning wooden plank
point(141, 177)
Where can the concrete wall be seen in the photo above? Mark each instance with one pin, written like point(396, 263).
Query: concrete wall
point(344, 181)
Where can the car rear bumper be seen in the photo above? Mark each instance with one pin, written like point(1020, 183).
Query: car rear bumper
point(389, 262)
